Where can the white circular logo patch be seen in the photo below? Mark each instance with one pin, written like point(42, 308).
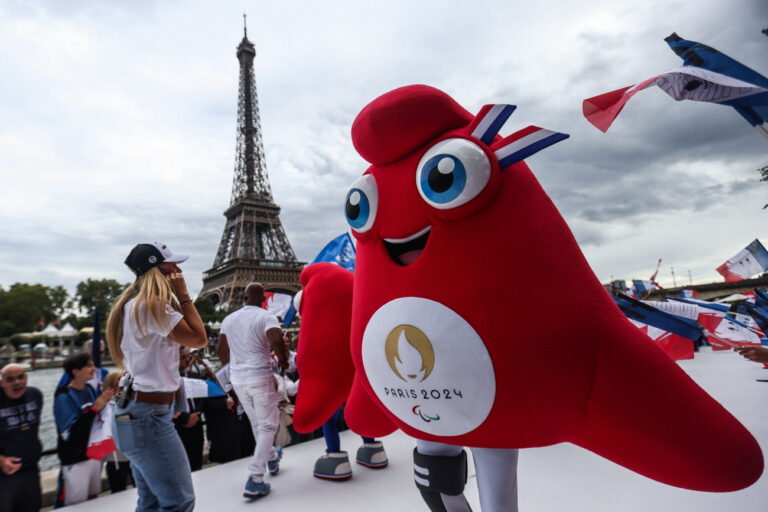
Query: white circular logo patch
point(152, 259)
point(428, 366)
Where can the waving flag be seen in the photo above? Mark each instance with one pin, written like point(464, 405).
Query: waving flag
point(676, 347)
point(706, 75)
point(340, 250)
point(100, 442)
point(199, 388)
point(730, 332)
point(751, 260)
point(650, 315)
point(277, 303)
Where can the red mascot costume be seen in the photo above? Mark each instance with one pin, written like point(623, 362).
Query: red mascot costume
point(452, 227)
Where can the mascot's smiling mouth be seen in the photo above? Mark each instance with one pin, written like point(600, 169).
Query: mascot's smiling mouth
point(405, 251)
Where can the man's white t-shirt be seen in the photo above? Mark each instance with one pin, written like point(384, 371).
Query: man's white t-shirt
point(246, 329)
point(150, 357)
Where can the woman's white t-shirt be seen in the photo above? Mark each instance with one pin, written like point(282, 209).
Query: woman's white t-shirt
point(150, 357)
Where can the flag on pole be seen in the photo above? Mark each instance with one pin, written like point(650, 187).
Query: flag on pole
point(100, 442)
point(96, 340)
point(341, 251)
point(730, 331)
point(706, 75)
point(199, 388)
point(276, 303)
point(704, 304)
point(650, 315)
point(751, 260)
point(676, 347)
point(652, 279)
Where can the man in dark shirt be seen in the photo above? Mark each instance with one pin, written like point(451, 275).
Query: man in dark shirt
point(20, 410)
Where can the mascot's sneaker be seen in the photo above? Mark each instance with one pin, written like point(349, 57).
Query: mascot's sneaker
point(372, 455)
point(274, 465)
point(255, 489)
point(333, 466)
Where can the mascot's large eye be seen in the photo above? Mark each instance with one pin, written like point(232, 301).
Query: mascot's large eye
point(362, 201)
point(452, 173)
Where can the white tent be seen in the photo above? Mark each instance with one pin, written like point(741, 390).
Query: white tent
point(68, 331)
point(51, 330)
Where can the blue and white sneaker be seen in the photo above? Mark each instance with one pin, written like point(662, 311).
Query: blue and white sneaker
point(274, 464)
point(255, 489)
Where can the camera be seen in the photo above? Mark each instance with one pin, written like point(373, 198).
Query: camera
point(125, 391)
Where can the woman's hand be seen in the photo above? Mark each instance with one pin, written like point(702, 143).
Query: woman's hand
point(178, 285)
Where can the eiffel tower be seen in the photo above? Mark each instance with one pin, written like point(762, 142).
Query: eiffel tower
point(254, 246)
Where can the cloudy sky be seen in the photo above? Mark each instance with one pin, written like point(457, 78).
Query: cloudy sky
point(117, 122)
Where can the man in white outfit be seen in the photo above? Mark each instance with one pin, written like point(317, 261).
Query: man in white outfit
point(249, 334)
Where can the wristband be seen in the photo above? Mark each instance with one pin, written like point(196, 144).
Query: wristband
point(185, 301)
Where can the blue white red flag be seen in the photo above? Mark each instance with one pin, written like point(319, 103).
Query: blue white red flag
point(650, 315)
point(716, 306)
point(728, 331)
point(642, 287)
point(277, 303)
point(675, 346)
point(199, 388)
point(706, 75)
point(688, 294)
point(751, 260)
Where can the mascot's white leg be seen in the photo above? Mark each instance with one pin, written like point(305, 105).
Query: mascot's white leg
point(440, 472)
point(496, 471)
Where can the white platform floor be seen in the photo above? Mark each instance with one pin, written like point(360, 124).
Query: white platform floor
point(557, 478)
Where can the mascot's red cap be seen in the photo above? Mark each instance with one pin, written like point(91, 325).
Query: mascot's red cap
point(403, 120)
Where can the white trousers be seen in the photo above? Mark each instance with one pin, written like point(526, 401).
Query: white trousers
point(496, 471)
point(260, 400)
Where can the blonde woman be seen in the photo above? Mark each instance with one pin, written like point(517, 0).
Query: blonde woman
point(148, 322)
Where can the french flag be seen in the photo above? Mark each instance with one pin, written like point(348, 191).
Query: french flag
point(706, 75)
point(751, 260)
point(277, 303)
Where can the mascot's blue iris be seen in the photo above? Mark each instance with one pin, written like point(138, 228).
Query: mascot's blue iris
point(442, 178)
point(357, 208)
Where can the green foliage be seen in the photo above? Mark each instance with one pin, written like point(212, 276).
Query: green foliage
point(206, 309)
point(97, 293)
point(59, 297)
point(23, 305)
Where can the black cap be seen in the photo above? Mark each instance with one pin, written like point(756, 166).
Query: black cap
point(146, 256)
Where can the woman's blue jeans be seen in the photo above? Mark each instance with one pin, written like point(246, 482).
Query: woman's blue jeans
point(158, 461)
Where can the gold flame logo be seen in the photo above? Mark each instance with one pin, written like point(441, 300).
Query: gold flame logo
point(409, 353)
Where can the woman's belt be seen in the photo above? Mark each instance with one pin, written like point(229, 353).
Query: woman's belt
point(154, 398)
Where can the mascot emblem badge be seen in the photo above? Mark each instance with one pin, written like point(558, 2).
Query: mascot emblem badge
point(429, 366)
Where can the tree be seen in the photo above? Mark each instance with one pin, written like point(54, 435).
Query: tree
point(764, 176)
point(23, 305)
point(206, 309)
point(59, 297)
point(97, 293)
